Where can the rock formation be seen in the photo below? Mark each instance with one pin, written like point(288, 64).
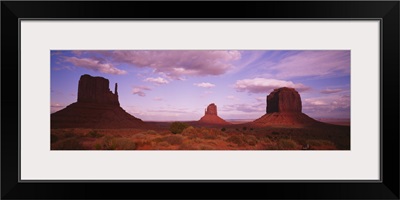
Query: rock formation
point(96, 90)
point(284, 100)
point(284, 109)
point(211, 116)
point(96, 107)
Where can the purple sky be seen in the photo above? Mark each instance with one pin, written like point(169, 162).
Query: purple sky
point(168, 85)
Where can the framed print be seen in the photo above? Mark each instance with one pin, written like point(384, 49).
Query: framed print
point(290, 96)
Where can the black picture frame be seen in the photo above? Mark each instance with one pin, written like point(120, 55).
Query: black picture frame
point(386, 11)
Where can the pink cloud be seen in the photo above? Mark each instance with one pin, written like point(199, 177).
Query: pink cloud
point(333, 105)
point(178, 63)
point(263, 85)
point(94, 64)
point(314, 63)
point(331, 91)
point(140, 90)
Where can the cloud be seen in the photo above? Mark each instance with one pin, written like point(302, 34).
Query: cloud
point(333, 106)
point(158, 80)
point(231, 97)
point(313, 63)
point(261, 98)
point(204, 85)
point(263, 85)
point(95, 65)
point(331, 91)
point(247, 108)
point(139, 90)
point(177, 63)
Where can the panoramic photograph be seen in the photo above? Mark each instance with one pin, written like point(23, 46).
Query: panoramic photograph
point(200, 100)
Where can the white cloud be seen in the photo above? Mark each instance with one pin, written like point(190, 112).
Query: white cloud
point(204, 85)
point(158, 80)
point(263, 85)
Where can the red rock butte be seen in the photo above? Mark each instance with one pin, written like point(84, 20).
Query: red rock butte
point(284, 109)
point(211, 116)
point(96, 107)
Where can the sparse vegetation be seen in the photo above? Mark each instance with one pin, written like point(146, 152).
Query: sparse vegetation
point(94, 134)
point(197, 138)
point(178, 127)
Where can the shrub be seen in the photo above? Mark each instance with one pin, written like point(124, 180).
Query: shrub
point(223, 129)
point(251, 140)
point(206, 147)
point(173, 139)
point(244, 128)
point(236, 139)
point(189, 131)
point(177, 127)
point(320, 143)
point(151, 132)
point(68, 144)
point(94, 134)
point(110, 143)
point(287, 144)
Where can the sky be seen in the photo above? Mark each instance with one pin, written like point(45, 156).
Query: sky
point(171, 85)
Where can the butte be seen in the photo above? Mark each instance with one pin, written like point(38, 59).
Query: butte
point(284, 109)
point(211, 116)
point(96, 107)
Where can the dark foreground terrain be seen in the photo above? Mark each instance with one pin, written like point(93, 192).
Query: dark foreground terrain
point(195, 136)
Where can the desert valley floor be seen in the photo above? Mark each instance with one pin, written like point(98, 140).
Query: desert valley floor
point(196, 137)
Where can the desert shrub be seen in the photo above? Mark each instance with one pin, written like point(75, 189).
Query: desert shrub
point(111, 143)
point(151, 132)
point(287, 144)
point(244, 128)
point(206, 134)
point(68, 144)
point(138, 136)
point(319, 143)
point(157, 140)
point(173, 139)
point(163, 144)
point(177, 127)
point(223, 129)
point(275, 133)
point(251, 140)
point(189, 131)
point(236, 139)
point(206, 147)
point(94, 134)
point(251, 129)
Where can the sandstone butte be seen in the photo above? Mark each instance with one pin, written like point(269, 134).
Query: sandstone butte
point(284, 109)
point(211, 116)
point(96, 107)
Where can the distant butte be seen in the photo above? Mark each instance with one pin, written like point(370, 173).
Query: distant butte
point(211, 116)
point(284, 108)
point(96, 107)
